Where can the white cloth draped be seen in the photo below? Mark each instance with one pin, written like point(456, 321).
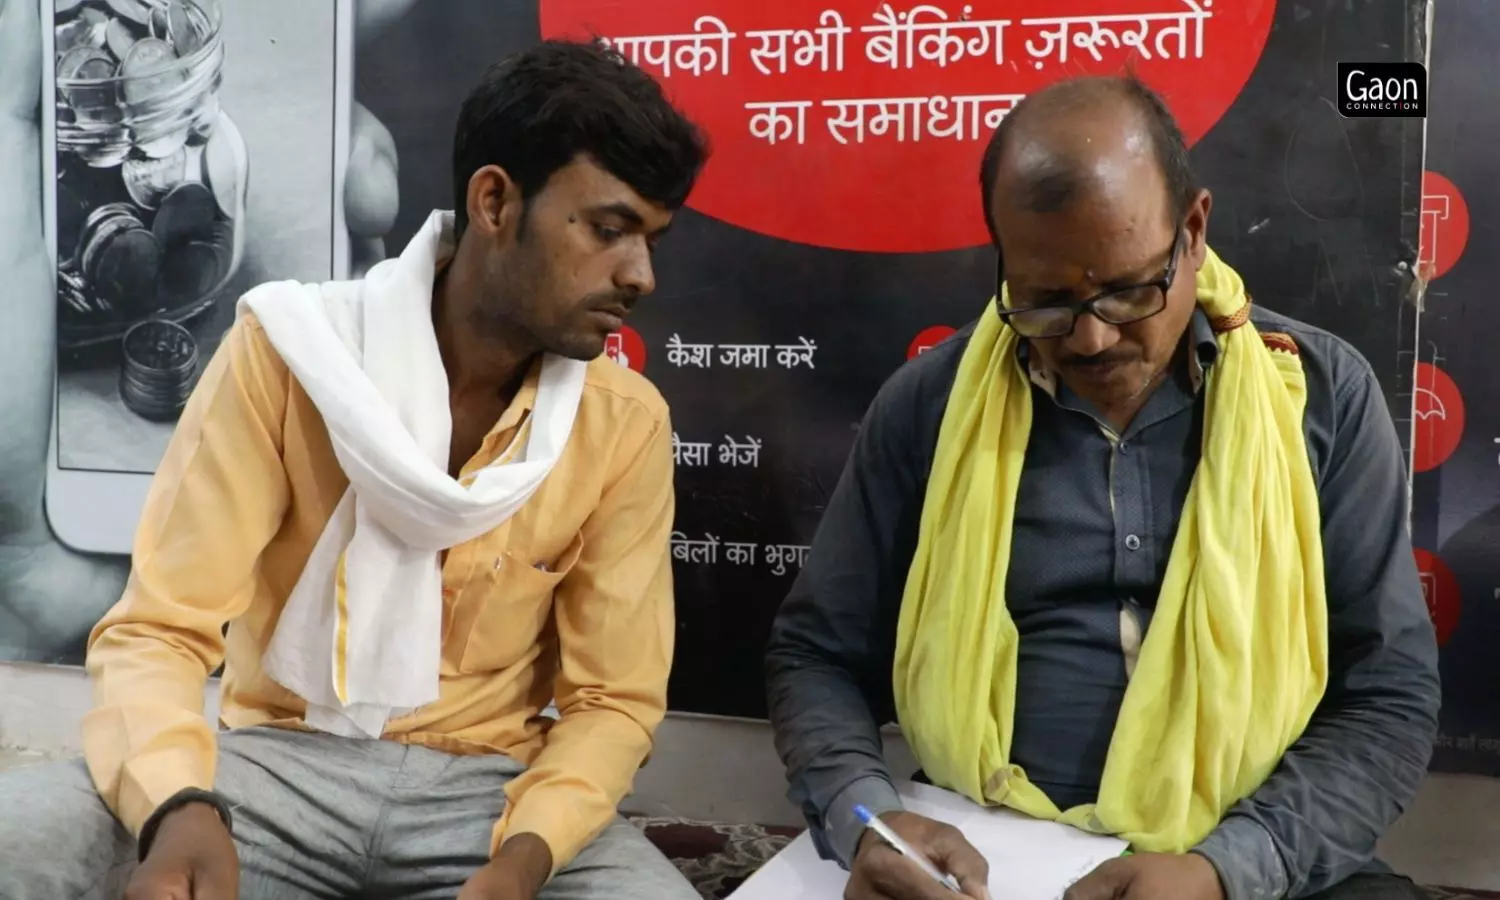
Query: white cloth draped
point(360, 636)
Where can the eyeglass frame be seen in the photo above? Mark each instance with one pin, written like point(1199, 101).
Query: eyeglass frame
point(1078, 308)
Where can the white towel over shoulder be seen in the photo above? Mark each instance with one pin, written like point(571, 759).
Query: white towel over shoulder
point(367, 356)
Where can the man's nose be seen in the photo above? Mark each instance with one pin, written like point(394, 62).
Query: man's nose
point(1091, 336)
point(636, 272)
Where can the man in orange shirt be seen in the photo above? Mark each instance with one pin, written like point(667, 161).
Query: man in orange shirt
point(407, 582)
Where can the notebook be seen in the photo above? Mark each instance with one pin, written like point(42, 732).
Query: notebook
point(1029, 859)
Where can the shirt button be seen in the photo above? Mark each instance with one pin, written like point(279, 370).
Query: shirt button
point(1132, 542)
point(1124, 446)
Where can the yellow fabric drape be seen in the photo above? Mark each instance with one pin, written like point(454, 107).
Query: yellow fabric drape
point(1235, 660)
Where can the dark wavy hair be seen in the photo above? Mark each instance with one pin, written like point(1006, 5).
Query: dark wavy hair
point(536, 111)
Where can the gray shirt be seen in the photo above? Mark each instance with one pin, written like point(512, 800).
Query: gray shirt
point(1096, 514)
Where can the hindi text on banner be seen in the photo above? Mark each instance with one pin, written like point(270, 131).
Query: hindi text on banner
point(692, 53)
point(780, 47)
point(902, 39)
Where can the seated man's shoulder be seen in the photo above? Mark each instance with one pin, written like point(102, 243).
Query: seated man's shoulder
point(283, 286)
point(1332, 364)
point(927, 378)
point(247, 328)
point(623, 395)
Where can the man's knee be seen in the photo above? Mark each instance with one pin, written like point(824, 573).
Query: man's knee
point(620, 864)
point(57, 838)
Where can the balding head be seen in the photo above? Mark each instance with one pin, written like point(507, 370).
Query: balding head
point(1078, 137)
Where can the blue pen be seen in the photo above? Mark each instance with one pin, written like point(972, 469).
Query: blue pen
point(905, 849)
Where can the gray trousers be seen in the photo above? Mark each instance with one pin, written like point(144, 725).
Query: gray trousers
point(314, 816)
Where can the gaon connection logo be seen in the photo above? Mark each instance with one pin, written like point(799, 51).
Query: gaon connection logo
point(1382, 90)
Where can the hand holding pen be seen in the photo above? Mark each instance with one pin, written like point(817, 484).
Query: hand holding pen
point(904, 856)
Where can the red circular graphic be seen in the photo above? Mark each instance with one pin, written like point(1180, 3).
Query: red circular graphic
point(859, 125)
point(1440, 590)
point(1445, 226)
point(626, 348)
point(928, 338)
point(1439, 411)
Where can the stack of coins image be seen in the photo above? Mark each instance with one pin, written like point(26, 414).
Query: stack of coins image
point(159, 370)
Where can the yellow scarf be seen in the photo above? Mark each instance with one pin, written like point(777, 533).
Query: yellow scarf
point(1235, 659)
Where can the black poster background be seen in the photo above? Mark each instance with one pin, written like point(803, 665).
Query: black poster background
point(1457, 504)
point(1320, 214)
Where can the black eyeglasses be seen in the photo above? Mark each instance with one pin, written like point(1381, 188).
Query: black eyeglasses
point(1120, 306)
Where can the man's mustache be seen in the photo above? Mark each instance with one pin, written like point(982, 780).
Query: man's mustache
point(1098, 360)
point(619, 302)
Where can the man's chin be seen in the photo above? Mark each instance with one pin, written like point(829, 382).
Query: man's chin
point(582, 347)
point(1107, 385)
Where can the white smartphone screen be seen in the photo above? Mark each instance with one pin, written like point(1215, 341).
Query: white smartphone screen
point(195, 149)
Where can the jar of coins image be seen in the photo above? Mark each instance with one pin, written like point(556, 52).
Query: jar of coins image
point(152, 173)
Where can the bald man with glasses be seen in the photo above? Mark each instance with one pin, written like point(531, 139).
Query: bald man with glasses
point(1113, 322)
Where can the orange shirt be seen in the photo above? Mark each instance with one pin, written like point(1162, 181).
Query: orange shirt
point(571, 598)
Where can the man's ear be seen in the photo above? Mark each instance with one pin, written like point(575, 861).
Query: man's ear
point(494, 202)
point(1196, 225)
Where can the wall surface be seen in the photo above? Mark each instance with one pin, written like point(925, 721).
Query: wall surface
point(726, 770)
point(1456, 439)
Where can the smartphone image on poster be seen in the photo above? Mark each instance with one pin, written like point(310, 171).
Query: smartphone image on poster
point(193, 149)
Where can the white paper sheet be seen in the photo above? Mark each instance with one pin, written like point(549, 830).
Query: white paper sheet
point(1029, 859)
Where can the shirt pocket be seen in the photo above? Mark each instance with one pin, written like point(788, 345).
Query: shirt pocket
point(511, 607)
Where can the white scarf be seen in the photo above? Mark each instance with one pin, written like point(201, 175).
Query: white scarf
point(366, 354)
